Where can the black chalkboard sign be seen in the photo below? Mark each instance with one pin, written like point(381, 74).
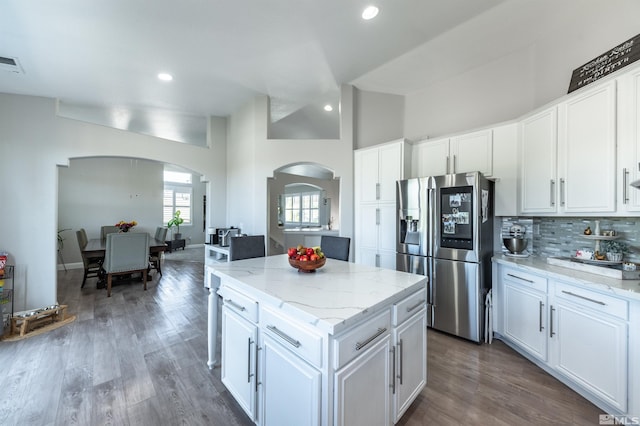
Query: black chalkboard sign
point(616, 58)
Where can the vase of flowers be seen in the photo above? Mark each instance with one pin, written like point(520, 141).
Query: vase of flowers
point(125, 226)
point(615, 250)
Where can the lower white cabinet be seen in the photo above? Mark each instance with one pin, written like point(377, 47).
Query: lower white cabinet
point(578, 335)
point(362, 388)
point(409, 368)
point(290, 387)
point(590, 347)
point(238, 352)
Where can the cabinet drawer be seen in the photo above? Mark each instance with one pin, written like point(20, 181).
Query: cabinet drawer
point(524, 278)
point(600, 302)
point(302, 341)
point(353, 343)
point(243, 305)
point(409, 306)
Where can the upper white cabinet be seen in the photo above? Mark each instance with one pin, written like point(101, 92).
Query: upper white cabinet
point(568, 155)
point(587, 151)
point(376, 171)
point(505, 169)
point(459, 154)
point(629, 140)
point(538, 140)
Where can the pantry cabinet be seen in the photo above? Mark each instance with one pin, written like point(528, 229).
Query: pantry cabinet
point(376, 171)
point(578, 335)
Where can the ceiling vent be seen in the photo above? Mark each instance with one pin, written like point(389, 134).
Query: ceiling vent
point(10, 64)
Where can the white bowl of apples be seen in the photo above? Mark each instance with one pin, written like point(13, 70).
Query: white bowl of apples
point(306, 259)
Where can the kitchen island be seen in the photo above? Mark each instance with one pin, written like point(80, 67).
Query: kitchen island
point(345, 345)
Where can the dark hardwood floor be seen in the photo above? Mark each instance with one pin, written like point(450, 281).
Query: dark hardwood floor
point(139, 358)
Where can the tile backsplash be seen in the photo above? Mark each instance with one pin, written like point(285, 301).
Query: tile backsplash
point(562, 236)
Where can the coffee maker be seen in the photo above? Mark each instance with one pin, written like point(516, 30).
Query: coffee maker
point(212, 236)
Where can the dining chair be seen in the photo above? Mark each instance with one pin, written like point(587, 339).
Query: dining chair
point(92, 264)
point(335, 247)
point(126, 253)
point(155, 258)
point(108, 229)
point(246, 247)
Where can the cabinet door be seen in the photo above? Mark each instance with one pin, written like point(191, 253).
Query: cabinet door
point(387, 227)
point(369, 218)
point(410, 362)
point(591, 349)
point(362, 388)
point(472, 152)
point(290, 387)
point(390, 169)
point(239, 339)
point(524, 316)
point(432, 158)
point(629, 140)
point(587, 151)
point(505, 169)
point(538, 142)
point(366, 162)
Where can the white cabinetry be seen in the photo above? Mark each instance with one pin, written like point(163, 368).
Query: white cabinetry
point(629, 140)
point(589, 331)
point(290, 386)
point(376, 171)
point(238, 372)
point(363, 386)
point(578, 335)
point(468, 152)
point(568, 155)
point(505, 169)
point(524, 306)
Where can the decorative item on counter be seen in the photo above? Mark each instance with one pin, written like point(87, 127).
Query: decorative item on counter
point(615, 250)
point(588, 231)
point(629, 266)
point(125, 226)
point(3, 262)
point(306, 259)
point(609, 233)
point(585, 254)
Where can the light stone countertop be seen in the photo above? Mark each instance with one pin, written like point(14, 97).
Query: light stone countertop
point(332, 299)
point(628, 289)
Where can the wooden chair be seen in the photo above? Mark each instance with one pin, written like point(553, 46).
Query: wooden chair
point(335, 247)
point(246, 247)
point(108, 229)
point(126, 253)
point(92, 265)
point(155, 258)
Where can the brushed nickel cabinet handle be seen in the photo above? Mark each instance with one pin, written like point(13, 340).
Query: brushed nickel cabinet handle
point(540, 319)
point(290, 340)
point(447, 165)
point(377, 191)
point(249, 360)
point(562, 195)
point(453, 169)
point(520, 278)
point(393, 369)
point(551, 333)
point(552, 186)
point(380, 331)
point(235, 305)
point(584, 298)
point(625, 183)
point(417, 305)
point(400, 359)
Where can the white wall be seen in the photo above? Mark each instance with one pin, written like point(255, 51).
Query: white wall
point(497, 89)
point(34, 142)
point(379, 118)
point(252, 158)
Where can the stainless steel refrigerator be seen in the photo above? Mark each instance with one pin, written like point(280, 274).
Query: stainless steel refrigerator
point(445, 231)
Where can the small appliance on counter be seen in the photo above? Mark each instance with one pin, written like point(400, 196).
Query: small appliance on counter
point(515, 242)
point(225, 234)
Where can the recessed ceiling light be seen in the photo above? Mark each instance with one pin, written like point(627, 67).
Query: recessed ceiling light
point(370, 12)
point(328, 108)
point(165, 77)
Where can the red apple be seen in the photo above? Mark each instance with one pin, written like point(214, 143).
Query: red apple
point(292, 251)
point(314, 257)
point(304, 258)
point(310, 251)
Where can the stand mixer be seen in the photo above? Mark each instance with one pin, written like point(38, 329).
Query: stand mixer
point(516, 243)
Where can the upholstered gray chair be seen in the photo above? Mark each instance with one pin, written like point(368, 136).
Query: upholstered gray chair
point(246, 247)
point(126, 253)
point(335, 247)
point(108, 229)
point(155, 258)
point(92, 264)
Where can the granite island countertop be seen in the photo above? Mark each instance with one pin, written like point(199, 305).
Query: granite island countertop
point(332, 298)
point(628, 289)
